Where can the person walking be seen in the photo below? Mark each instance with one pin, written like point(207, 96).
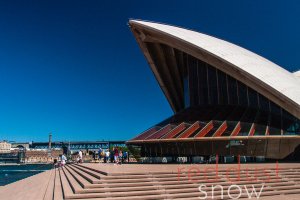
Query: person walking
point(111, 155)
point(94, 156)
point(125, 156)
point(116, 155)
point(63, 160)
point(80, 156)
point(120, 157)
point(100, 154)
point(107, 155)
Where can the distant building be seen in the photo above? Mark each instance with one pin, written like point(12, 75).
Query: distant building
point(77, 145)
point(41, 155)
point(20, 145)
point(5, 147)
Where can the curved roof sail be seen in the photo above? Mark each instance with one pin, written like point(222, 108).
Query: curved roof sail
point(297, 74)
point(276, 83)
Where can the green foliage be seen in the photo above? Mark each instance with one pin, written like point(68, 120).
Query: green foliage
point(135, 152)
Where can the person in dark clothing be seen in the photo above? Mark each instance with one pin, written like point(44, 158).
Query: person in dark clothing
point(116, 155)
point(94, 155)
point(125, 156)
point(112, 155)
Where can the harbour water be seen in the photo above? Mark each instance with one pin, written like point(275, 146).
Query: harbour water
point(12, 173)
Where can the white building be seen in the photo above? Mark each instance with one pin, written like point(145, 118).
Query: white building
point(5, 147)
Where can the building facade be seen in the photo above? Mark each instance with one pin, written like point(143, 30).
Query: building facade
point(41, 155)
point(226, 99)
point(5, 147)
point(77, 145)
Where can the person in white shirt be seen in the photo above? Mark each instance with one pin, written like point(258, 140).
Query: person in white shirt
point(80, 156)
point(107, 154)
point(63, 160)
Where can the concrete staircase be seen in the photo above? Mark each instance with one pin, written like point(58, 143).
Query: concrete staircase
point(83, 182)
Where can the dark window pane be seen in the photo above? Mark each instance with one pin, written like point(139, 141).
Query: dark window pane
point(232, 89)
point(202, 83)
point(212, 84)
point(263, 103)
point(290, 124)
point(222, 84)
point(193, 80)
point(186, 82)
point(242, 94)
point(253, 98)
point(275, 109)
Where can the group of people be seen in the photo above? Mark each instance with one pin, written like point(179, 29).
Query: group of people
point(116, 155)
point(62, 160)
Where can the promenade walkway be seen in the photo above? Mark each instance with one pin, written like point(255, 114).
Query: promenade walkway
point(145, 181)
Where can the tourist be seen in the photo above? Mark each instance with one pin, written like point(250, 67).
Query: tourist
point(112, 155)
point(107, 155)
point(63, 160)
point(120, 157)
point(116, 155)
point(55, 163)
point(80, 156)
point(94, 156)
point(125, 154)
point(100, 153)
point(103, 154)
point(104, 158)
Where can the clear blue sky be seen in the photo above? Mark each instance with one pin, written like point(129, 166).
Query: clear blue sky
point(74, 68)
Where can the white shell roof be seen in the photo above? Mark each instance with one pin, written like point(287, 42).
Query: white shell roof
point(297, 74)
point(270, 73)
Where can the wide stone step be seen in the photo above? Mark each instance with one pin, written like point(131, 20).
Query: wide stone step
point(76, 187)
point(221, 180)
point(243, 196)
point(266, 187)
point(169, 188)
point(77, 182)
point(65, 186)
point(85, 175)
point(212, 177)
point(184, 171)
point(121, 189)
point(191, 185)
point(202, 176)
point(146, 197)
point(81, 180)
point(174, 184)
point(235, 179)
point(50, 186)
point(90, 172)
point(126, 195)
point(195, 195)
point(133, 184)
point(93, 169)
point(290, 175)
point(202, 168)
point(80, 183)
point(184, 178)
point(126, 180)
point(234, 193)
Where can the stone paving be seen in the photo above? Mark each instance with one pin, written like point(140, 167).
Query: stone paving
point(157, 181)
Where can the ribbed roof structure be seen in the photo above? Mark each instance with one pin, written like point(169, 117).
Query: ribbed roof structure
point(264, 76)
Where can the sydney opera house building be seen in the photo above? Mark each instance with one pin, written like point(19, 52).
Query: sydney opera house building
point(226, 100)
